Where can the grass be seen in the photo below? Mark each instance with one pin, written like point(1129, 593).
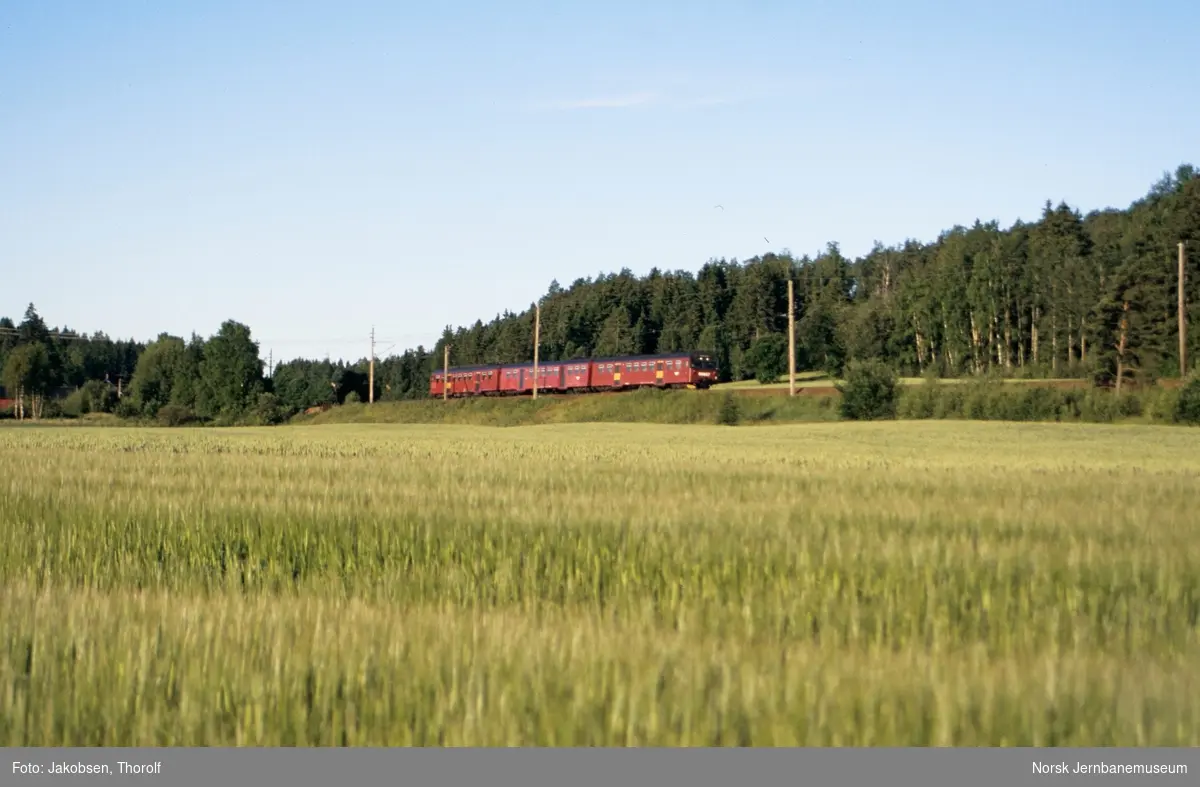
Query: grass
point(974, 401)
point(919, 583)
point(642, 406)
point(822, 380)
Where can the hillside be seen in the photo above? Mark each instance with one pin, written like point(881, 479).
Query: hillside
point(1035, 300)
point(1070, 296)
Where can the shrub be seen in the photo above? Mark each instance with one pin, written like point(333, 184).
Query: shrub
point(730, 413)
point(869, 392)
point(768, 358)
point(74, 405)
point(175, 415)
point(98, 397)
point(1187, 404)
point(268, 410)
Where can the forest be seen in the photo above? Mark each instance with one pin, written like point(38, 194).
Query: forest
point(1072, 295)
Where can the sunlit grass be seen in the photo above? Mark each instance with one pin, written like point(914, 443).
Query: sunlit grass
point(923, 583)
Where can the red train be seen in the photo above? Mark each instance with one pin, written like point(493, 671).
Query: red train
point(582, 375)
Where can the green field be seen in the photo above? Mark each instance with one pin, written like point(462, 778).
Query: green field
point(904, 583)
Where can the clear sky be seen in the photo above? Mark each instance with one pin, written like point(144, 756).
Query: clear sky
point(313, 169)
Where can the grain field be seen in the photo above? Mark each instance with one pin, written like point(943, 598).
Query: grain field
point(916, 583)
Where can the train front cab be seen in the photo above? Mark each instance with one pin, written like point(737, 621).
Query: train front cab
point(702, 370)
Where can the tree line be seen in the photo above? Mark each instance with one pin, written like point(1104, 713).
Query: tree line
point(1070, 295)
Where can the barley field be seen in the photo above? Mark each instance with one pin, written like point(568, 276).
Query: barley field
point(913, 583)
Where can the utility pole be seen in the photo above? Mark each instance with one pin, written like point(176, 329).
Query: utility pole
point(1182, 318)
point(791, 339)
point(371, 371)
point(446, 372)
point(537, 335)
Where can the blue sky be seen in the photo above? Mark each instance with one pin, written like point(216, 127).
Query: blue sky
point(313, 170)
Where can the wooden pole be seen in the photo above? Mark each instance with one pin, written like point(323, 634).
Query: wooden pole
point(791, 340)
point(537, 336)
point(371, 371)
point(446, 372)
point(1182, 317)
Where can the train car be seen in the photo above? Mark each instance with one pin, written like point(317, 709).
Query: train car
point(518, 378)
point(577, 375)
point(669, 370)
point(467, 381)
point(702, 369)
point(581, 375)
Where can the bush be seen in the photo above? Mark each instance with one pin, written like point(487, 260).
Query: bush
point(175, 415)
point(768, 358)
point(730, 414)
point(1187, 404)
point(98, 397)
point(268, 410)
point(74, 405)
point(869, 392)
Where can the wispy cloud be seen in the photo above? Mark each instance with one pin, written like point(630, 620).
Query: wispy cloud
point(707, 101)
point(625, 101)
point(679, 93)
